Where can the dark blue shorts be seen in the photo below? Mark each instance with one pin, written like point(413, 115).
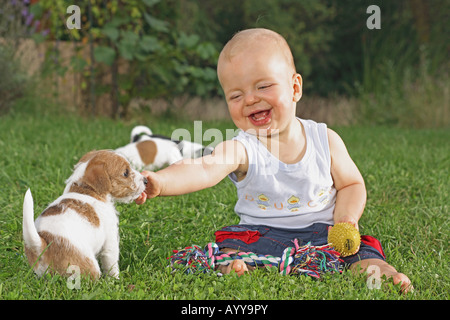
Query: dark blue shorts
point(272, 241)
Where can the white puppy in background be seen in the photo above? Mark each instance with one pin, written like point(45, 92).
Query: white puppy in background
point(82, 223)
point(148, 151)
point(187, 148)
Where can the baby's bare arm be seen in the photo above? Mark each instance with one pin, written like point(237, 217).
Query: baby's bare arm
point(189, 175)
point(349, 184)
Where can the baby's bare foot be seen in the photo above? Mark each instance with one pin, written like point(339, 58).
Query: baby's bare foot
point(238, 266)
point(405, 282)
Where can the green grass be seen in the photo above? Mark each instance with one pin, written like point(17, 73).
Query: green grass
point(406, 172)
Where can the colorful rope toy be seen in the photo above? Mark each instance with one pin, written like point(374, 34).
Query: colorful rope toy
point(311, 261)
point(306, 260)
point(194, 259)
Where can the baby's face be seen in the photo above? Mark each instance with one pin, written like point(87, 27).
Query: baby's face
point(260, 88)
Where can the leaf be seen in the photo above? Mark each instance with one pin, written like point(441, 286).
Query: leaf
point(141, 57)
point(149, 44)
point(158, 25)
point(126, 50)
point(150, 3)
point(129, 37)
point(105, 55)
point(111, 32)
point(188, 41)
point(78, 63)
point(206, 50)
point(128, 45)
point(209, 74)
point(36, 10)
point(118, 21)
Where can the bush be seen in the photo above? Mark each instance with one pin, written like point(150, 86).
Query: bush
point(133, 50)
point(13, 81)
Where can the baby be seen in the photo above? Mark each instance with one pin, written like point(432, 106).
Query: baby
point(294, 177)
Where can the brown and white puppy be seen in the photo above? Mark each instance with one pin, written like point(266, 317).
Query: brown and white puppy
point(82, 223)
point(149, 151)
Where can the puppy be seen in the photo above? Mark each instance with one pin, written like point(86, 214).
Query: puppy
point(153, 151)
point(150, 153)
point(187, 148)
point(82, 223)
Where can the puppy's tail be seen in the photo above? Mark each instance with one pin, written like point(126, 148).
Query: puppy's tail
point(139, 131)
point(30, 235)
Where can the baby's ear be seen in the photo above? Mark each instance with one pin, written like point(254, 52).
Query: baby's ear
point(297, 87)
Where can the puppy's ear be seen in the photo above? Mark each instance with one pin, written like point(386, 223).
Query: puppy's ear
point(96, 177)
point(88, 156)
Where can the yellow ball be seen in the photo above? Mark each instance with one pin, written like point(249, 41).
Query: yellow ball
point(345, 238)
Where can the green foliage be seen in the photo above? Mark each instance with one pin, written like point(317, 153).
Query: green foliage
point(336, 53)
point(13, 80)
point(164, 49)
point(399, 74)
point(161, 62)
point(304, 24)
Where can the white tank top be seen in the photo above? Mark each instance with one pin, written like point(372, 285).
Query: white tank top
point(283, 195)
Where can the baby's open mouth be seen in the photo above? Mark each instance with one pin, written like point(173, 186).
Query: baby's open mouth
point(261, 117)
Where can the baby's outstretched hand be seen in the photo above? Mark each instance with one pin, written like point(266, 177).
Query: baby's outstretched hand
point(152, 189)
point(141, 199)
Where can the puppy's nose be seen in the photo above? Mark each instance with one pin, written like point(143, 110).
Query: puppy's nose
point(145, 181)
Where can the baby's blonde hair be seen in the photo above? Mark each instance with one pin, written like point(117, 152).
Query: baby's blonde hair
point(245, 39)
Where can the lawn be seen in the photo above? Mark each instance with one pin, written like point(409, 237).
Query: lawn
point(407, 178)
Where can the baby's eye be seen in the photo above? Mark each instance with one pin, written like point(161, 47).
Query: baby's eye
point(265, 86)
point(235, 97)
